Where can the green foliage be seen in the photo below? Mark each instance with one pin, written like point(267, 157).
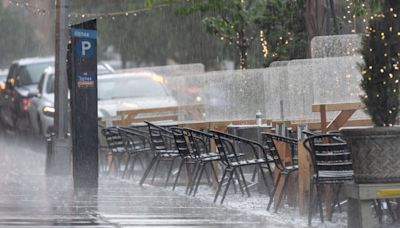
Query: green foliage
point(239, 22)
point(370, 6)
point(284, 28)
point(381, 72)
point(153, 37)
point(18, 38)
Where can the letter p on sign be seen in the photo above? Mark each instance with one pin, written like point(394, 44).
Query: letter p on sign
point(86, 45)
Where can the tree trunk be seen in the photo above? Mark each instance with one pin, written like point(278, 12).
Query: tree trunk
point(333, 12)
point(243, 57)
point(316, 18)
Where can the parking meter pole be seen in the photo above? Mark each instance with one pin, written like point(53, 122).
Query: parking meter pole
point(59, 162)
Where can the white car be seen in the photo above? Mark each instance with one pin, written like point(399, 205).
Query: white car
point(134, 90)
point(122, 91)
point(41, 109)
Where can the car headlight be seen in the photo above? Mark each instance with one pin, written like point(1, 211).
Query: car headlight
point(48, 111)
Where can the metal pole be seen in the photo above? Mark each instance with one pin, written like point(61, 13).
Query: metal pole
point(59, 159)
point(61, 81)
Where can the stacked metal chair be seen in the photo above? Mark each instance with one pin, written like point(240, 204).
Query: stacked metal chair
point(285, 169)
point(136, 146)
point(194, 148)
point(116, 146)
point(163, 146)
point(238, 153)
point(332, 165)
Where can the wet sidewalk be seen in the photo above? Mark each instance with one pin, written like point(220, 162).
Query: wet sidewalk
point(29, 199)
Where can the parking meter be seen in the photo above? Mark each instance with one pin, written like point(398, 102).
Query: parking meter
point(83, 84)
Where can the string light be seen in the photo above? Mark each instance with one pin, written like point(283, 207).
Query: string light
point(264, 44)
point(127, 13)
point(36, 10)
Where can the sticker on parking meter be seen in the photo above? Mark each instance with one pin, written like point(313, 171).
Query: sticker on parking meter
point(85, 81)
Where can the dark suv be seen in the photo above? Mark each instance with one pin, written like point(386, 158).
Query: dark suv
point(21, 86)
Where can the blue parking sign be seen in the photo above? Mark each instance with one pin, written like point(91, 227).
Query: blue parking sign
point(85, 42)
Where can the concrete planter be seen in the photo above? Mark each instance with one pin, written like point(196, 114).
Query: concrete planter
point(375, 153)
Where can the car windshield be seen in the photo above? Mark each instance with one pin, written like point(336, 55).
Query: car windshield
point(33, 72)
point(130, 87)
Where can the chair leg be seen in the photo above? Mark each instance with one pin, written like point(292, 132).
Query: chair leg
point(110, 163)
point(253, 178)
point(169, 172)
point(203, 167)
point(196, 175)
point(310, 202)
point(141, 162)
point(264, 179)
point(274, 191)
point(126, 168)
point(207, 176)
point(214, 171)
point(244, 182)
point(147, 171)
point(336, 200)
point(190, 176)
point(132, 169)
point(239, 183)
point(389, 206)
point(398, 208)
point(319, 200)
point(155, 171)
point(337, 197)
point(220, 185)
point(378, 209)
point(178, 174)
point(282, 192)
point(227, 186)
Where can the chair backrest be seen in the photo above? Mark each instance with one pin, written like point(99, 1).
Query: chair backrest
point(268, 141)
point(161, 138)
point(114, 139)
point(133, 140)
point(200, 141)
point(235, 149)
point(328, 153)
point(181, 142)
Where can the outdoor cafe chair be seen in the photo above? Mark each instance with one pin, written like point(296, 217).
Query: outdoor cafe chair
point(194, 147)
point(238, 152)
point(116, 146)
point(136, 145)
point(104, 151)
point(163, 146)
point(284, 168)
point(332, 165)
point(377, 204)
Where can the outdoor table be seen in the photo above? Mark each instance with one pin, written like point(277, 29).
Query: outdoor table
point(360, 197)
point(346, 111)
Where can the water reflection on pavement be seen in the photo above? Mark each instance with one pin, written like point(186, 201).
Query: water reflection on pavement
point(29, 199)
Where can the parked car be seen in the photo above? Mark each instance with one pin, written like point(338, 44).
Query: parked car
point(41, 109)
point(134, 90)
point(21, 85)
